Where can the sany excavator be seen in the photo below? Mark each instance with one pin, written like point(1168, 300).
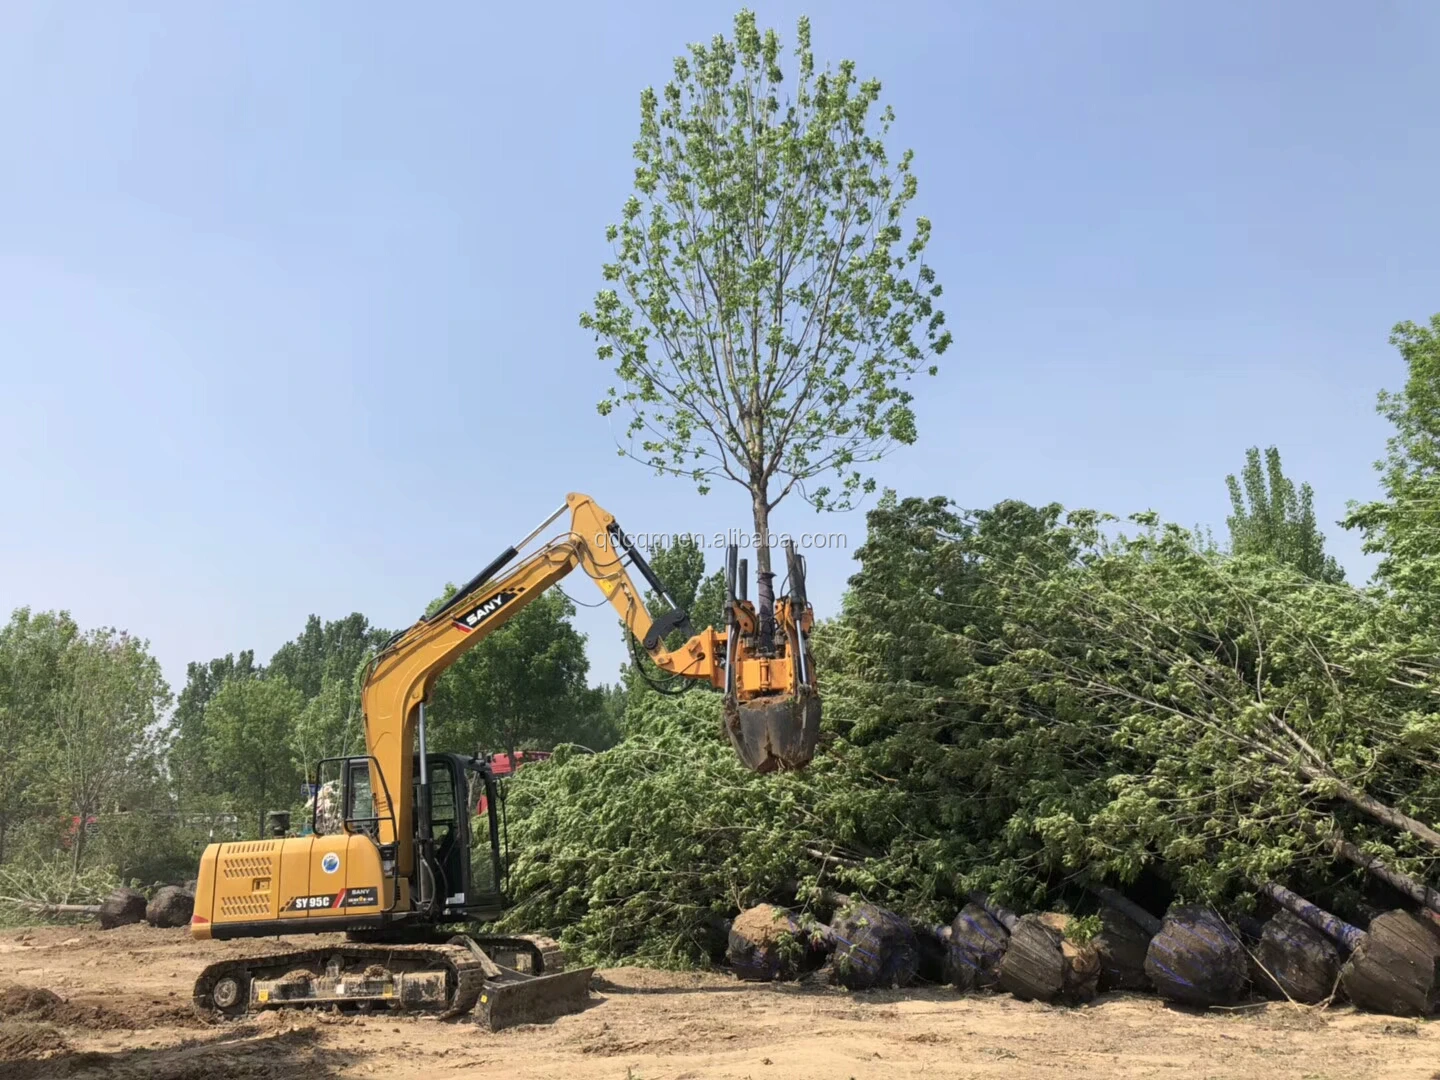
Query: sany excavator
point(395, 865)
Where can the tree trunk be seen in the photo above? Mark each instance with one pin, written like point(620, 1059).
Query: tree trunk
point(1386, 815)
point(1416, 890)
point(62, 909)
point(1336, 929)
point(77, 850)
point(1127, 907)
point(764, 576)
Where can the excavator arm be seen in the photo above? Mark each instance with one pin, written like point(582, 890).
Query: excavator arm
point(771, 710)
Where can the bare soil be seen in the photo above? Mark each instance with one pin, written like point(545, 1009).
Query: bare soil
point(121, 1011)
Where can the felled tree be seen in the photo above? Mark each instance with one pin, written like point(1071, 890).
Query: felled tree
point(1047, 698)
point(643, 849)
point(765, 308)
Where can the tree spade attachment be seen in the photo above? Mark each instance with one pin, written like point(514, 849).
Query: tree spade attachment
point(771, 732)
point(775, 734)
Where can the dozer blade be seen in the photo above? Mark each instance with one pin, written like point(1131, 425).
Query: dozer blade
point(529, 999)
point(778, 733)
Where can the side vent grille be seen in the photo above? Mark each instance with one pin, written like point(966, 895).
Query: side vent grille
point(251, 904)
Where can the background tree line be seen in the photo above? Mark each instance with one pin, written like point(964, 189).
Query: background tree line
point(98, 770)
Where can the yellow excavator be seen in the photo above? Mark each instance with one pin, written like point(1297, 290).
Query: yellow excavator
point(393, 866)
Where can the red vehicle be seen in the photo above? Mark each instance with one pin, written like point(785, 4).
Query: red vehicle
point(502, 766)
point(92, 828)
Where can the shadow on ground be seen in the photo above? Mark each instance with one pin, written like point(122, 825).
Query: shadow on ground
point(237, 1055)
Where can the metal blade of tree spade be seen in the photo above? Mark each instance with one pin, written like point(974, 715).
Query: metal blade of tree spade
point(775, 734)
point(532, 1000)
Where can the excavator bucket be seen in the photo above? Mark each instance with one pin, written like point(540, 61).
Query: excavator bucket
point(775, 733)
point(531, 999)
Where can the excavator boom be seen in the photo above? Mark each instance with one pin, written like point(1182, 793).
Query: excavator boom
point(772, 712)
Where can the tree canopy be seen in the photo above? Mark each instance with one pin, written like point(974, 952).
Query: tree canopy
point(768, 300)
point(1269, 517)
point(1404, 527)
point(523, 687)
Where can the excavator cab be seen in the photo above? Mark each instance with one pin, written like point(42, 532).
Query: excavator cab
point(469, 880)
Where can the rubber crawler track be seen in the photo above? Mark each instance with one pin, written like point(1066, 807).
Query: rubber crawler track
point(467, 970)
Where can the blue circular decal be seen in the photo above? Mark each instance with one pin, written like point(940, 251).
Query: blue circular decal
point(330, 863)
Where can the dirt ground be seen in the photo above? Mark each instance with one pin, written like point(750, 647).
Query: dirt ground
point(120, 1011)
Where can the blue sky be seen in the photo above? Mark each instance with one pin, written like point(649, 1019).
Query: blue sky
point(289, 293)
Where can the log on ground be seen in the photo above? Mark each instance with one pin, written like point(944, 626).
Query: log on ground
point(1195, 959)
point(1040, 964)
point(122, 908)
point(977, 943)
point(1295, 961)
point(874, 948)
point(170, 906)
point(768, 943)
point(1396, 969)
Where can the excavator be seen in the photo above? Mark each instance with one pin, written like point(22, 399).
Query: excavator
point(393, 868)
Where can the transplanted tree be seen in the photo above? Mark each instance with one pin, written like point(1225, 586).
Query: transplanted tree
point(765, 307)
point(1271, 518)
